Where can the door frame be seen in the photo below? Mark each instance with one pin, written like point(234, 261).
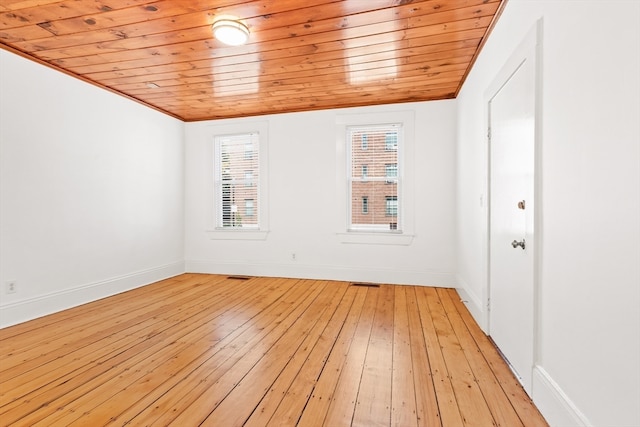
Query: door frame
point(531, 49)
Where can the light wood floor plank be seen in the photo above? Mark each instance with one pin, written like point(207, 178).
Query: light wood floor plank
point(373, 406)
point(518, 398)
point(188, 347)
point(31, 354)
point(209, 350)
point(426, 402)
point(473, 408)
point(294, 325)
point(447, 403)
point(256, 383)
point(333, 399)
point(80, 313)
point(311, 353)
point(310, 394)
point(403, 396)
point(161, 340)
point(27, 390)
point(494, 396)
point(225, 363)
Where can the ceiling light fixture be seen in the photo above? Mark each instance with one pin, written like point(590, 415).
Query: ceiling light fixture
point(230, 31)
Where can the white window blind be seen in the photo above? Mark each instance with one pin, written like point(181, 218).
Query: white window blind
point(237, 174)
point(380, 186)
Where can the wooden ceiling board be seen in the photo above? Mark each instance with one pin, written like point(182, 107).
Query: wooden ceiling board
point(300, 56)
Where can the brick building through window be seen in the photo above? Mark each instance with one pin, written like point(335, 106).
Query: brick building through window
point(374, 177)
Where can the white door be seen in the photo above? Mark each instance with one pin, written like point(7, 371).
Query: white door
point(511, 215)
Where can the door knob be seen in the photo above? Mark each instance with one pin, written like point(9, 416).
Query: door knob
point(515, 244)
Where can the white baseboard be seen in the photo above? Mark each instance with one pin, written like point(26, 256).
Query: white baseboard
point(28, 309)
point(474, 304)
point(553, 402)
point(323, 272)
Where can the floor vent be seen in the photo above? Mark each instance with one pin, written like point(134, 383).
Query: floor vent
point(238, 277)
point(368, 285)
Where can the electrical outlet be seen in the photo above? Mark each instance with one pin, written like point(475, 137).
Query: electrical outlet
point(11, 287)
point(293, 256)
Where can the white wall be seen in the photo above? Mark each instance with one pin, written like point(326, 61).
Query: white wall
point(303, 195)
point(588, 362)
point(91, 191)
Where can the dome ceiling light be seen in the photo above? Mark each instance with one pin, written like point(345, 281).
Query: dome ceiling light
point(230, 31)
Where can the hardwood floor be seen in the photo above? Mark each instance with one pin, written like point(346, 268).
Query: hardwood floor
point(216, 351)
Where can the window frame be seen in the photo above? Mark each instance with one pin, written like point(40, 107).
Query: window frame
point(404, 237)
point(379, 165)
point(261, 208)
point(235, 180)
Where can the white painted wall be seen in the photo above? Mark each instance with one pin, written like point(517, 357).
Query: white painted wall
point(91, 191)
point(588, 362)
point(303, 195)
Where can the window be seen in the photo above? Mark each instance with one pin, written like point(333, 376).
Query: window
point(248, 178)
point(375, 227)
point(391, 172)
point(373, 180)
point(391, 141)
point(391, 205)
point(248, 207)
point(237, 170)
point(248, 150)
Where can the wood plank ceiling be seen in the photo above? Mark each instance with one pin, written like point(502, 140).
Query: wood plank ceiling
point(301, 55)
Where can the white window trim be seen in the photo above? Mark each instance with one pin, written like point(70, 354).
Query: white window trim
point(214, 233)
point(407, 171)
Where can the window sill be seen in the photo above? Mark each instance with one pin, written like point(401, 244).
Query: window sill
point(367, 238)
point(237, 234)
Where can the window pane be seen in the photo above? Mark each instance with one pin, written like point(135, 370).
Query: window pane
point(248, 207)
point(391, 170)
point(391, 205)
point(391, 141)
point(237, 174)
point(373, 179)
